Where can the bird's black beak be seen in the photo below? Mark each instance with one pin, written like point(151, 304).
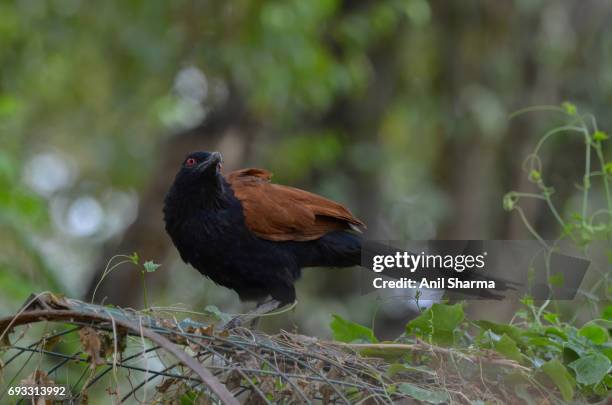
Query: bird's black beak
point(212, 163)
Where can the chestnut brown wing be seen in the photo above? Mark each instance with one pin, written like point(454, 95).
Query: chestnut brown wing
point(282, 213)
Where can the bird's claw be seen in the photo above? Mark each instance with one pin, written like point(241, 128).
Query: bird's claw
point(233, 323)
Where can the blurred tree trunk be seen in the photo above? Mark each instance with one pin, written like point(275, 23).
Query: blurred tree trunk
point(479, 170)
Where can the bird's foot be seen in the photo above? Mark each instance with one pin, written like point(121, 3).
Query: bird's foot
point(235, 322)
point(253, 316)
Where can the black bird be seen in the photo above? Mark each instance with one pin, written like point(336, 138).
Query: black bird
point(252, 236)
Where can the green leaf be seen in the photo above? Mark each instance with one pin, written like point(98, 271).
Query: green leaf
point(600, 136)
point(350, 332)
point(500, 329)
point(556, 280)
point(421, 394)
point(569, 355)
point(607, 313)
point(545, 343)
point(607, 351)
point(570, 109)
point(438, 323)
point(557, 372)
point(575, 347)
point(151, 266)
point(535, 176)
point(508, 348)
point(509, 201)
point(555, 331)
point(594, 333)
point(591, 369)
point(447, 317)
point(527, 301)
point(134, 258)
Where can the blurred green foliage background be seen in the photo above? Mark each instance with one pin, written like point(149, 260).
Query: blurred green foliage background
point(397, 108)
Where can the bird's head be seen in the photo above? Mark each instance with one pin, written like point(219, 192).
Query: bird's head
point(198, 185)
point(200, 171)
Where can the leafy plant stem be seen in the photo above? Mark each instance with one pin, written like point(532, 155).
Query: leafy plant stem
point(144, 290)
point(530, 228)
point(606, 183)
point(587, 177)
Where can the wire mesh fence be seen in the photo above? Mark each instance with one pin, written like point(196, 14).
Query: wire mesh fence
point(134, 357)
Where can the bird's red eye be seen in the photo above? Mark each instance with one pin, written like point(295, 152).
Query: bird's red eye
point(190, 162)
